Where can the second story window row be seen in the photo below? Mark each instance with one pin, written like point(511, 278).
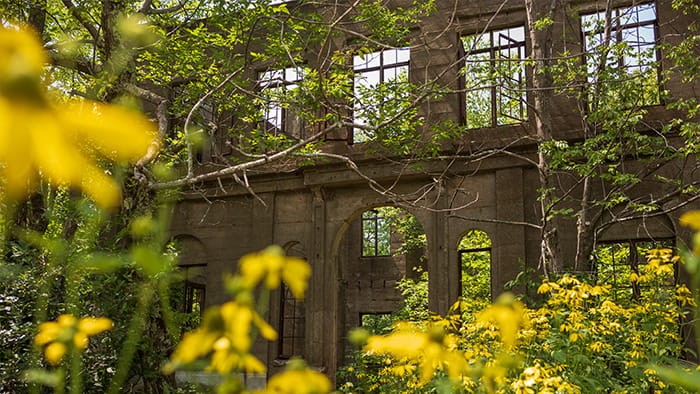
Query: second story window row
point(494, 74)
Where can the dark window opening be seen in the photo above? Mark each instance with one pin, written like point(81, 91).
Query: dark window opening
point(193, 292)
point(194, 297)
point(291, 325)
point(278, 88)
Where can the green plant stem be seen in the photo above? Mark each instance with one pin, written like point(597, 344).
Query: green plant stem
point(133, 335)
point(7, 213)
point(261, 308)
point(695, 288)
point(76, 377)
point(54, 255)
point(61, 382)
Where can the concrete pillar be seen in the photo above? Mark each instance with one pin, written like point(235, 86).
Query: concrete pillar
point(508, 249)
point(321, 304)
point(440, 285)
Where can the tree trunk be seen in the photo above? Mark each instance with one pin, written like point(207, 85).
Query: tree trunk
point(541, 97)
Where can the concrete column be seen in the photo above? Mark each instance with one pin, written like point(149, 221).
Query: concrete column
point(508, 249)
point(440, 286)
point(320, 312)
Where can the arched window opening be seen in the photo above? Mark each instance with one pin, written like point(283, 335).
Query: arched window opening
point(194, 286)
point(474, 253)
point(291, 325)
point(190, 292)
point(292, 315)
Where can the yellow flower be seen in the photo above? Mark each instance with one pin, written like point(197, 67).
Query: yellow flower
point(691, 219)
point(303, 381)
point(55, 352)
point(68, 330)
point(226, 335)
point(546, 287)
point(272, 265)
point(508, 315)
point(22, 62)
point(431, 350)
point(60, 143)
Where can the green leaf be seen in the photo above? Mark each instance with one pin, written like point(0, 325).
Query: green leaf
point(676, 375)
point(150, 260)
point(101, 262)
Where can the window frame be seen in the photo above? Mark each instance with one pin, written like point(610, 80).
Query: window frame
point(193, 291)
point(495, 89)
point(375, 231)
point(382, 68)
point(635, 261)
point(297, 319)
point(617, 36)
point(462, 252)
point(269, 79)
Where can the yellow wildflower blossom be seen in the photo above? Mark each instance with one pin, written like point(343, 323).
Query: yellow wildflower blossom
point(67, 330)
point(691, 219)
point(58, 142)
point(430, 350)
point(226, 335)
point(508, 315)
point(54, 352)
point(273, 266)
point(303, 381)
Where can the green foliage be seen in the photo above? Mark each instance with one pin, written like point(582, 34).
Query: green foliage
point(391, 26)
point(415, 298)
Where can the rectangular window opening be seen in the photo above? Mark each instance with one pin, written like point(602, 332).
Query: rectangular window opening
point(373, 71)
point(630, 69)
point(277, 90)
point(376, 234)
point(494, 78)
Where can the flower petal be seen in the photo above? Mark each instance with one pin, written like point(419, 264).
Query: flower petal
point(94, 325)
point(55, 352)
point(116, 132)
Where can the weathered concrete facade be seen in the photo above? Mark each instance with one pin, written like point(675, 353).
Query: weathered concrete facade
point(315, 209)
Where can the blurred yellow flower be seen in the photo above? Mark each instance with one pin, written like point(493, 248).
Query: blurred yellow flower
point(430, 350)
point(691, 219)
point(54, 352)
point(303, 381)
point(226, 335)
point(67, 330)
point(272, 265)
point(508, 315)
point(58, 142)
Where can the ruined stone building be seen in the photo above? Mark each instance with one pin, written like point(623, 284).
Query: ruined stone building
point(324, 212)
